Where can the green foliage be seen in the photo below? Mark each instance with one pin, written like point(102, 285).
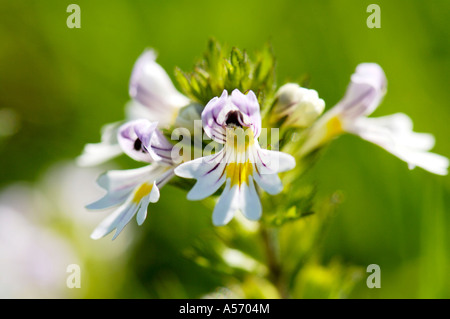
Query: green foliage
point(335, 280)
point(291, 207)
point(218, 71)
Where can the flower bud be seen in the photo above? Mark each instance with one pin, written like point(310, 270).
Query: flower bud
point(299, 106)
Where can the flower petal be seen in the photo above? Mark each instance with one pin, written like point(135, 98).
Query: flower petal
point(271, 183)
point(212, 124)
point(394, 134)
point(209, 172)
point(431, 162)
point(119, 184)
point(272, 162)
point(248, 104)
point(226, 205)
point(97, 153)
point(151, 86)
point(154, 194)
point(152, 197)
point(117, 220)
point(161, 149)
point(142, 141)
point(141, 214)
point(135, 111)
point(136, 204)
point(249, 203)
point(237, 197)
point(401, 126)
point(365, 91)
point(217, 111)
point(267, 166)
point(134, 136)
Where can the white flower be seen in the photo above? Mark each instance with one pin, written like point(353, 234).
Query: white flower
point(238, 164)
point(134, 189)
point(154, 97)
point(300, 106)
point(97, 153)
point(393, 133)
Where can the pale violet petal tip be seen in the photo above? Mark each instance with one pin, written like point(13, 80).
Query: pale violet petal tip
point(142, 212)
point(154, 194)
point(249, 202)
point(225, 206)
point(98, 153)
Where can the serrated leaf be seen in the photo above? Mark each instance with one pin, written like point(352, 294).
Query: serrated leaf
point(217, 72)
point(183, 81)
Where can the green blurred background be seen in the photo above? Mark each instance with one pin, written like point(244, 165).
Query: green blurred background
point(58, 86)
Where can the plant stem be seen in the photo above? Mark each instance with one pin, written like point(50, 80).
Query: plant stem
point(275, 271)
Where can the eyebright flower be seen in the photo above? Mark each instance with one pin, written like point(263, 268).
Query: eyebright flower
point(154, 97)
point(235, 122)
point(97, 153)
point(134, 189)
point(299, 106)
point(393, 132)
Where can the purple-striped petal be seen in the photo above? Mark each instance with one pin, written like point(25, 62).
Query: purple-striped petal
point(151, 86)
point(133, 138)
point(365, 91)
point(213, 125)
point(161, 149)
point(142, 141)
point(238, 109)
point(209, 172)
point(248, 104)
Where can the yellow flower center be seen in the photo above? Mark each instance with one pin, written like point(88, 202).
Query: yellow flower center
point(239, 172)
point(334, 127)
point(142, 191)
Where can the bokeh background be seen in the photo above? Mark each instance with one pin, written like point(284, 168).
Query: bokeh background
point(58, 86)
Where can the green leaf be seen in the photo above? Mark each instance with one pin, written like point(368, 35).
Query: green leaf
point(218, 71)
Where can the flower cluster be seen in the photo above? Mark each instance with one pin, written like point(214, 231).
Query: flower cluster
point(232, 108)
